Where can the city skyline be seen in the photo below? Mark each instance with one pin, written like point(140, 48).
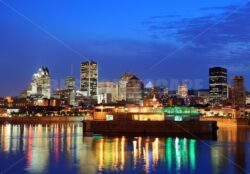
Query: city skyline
point(147, 38)
point(170, 84)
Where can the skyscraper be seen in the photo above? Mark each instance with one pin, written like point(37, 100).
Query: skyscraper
point(182, 90)
point(130, 88)
point(70, 89)
point(40, 85)
point(218, 87)
point(238, 92)
point(70, 83)
point(123, 85)
point(134, 90)
point(89, 78)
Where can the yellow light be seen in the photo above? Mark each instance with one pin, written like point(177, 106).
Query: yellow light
point(135, 152)
point(101, 161)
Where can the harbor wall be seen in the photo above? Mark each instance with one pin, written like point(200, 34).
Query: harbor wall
point(225, 122)
point(150, 127)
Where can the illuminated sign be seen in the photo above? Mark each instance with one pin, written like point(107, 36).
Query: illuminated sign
point(109, 117)
point(178, 118)
point(179, 110)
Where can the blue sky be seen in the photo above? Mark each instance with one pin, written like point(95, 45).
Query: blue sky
point(155, 39)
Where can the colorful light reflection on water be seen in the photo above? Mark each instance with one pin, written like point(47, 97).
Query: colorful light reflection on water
point(62, 148)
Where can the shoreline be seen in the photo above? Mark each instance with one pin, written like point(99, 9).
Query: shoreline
point(40, 120)
point(228, 122)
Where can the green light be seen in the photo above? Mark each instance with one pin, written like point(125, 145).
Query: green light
point(169, 153)
point(181, 110)
point(192, 154)
point(184, 155)
point(97, 137)
point(178, 118)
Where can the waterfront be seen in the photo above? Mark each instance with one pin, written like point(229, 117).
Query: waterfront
point(62, 148)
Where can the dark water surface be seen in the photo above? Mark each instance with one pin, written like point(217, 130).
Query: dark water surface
point(62, 148)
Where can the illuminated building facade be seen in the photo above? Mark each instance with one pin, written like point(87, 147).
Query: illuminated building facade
point(67, 96)
point(181, 113)
point(151, 91)
point(218, 87)
point(130, 88)
point(134, 90)
point(247, 100)
point(3, 102)
point(62, 97)
point(182, 90)
point(89, 78)
point(70, 83)
point(22, 102)
point(238, 92)
point(137, 113)
point(40, 85)
point(59, 94)
point(151, 102)
point(107, 91)
point(85, 101)
point(123, 85)
point(70, 89)
point(104, 98)
point(238, 95)
point(218, 112)
point(127, 112)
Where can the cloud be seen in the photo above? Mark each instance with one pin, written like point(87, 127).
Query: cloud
point(219, 38)
point(226, 34)
point(165, 16)
point(219, 30)
point(230, 7)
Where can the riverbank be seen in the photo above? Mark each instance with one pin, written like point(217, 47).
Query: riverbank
point(37, 120)
point(225, 122)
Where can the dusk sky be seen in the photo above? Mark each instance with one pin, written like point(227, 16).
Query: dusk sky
point(155, 39)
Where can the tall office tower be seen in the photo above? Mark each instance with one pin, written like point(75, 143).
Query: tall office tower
point(40, 85)
point(134, 90)
point(183, 90)
point(123, 85)
point(89, 78)
point(107, 91)
point(70, 89)
point(70, 83)
point(218, 87)
point(238, 92)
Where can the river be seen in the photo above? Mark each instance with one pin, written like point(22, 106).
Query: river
point(62, 148)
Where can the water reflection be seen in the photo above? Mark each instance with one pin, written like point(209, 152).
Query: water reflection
point(144, 153)
point(39, 143)
point(231, 151)
point(62, 148)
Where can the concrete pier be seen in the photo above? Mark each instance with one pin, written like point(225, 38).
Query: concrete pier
point(150, 127)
